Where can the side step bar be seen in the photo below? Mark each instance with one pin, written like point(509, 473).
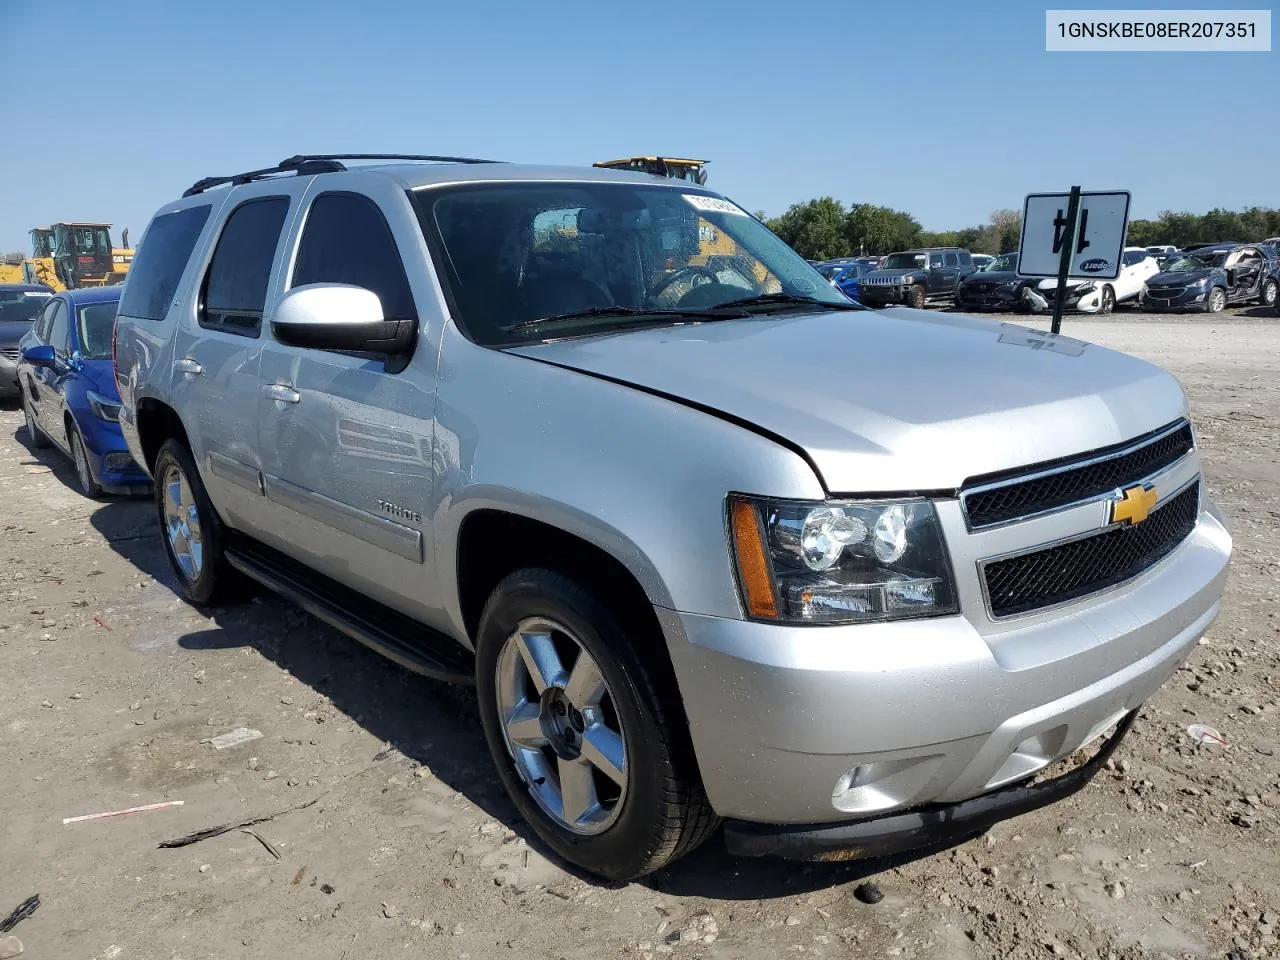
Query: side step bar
point(403, 639)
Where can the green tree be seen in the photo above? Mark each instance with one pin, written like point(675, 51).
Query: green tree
point(814, 229)
point(874, 229)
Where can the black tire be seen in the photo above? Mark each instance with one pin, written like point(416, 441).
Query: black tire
point(664, 813)
point(1108, 301)
point(215, 582)
point(915, 299)
point(1270, 288)
point(1217, 301)
point(80, 457)
point(35, 436)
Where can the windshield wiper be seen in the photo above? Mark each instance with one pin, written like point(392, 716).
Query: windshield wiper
point(629, 313)
point(784, 299)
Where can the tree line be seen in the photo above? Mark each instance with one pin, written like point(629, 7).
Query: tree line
point(823, 229)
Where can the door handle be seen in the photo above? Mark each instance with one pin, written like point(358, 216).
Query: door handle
point(187, 365)
point(282, 392)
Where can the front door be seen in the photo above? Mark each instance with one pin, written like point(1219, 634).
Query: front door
point(1244, 272)
point(938, 276)
point(346, 439)
point(49, 381)
point(217, 347)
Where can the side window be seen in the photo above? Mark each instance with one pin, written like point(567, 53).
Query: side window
point(235, 288)
point(45, 323)
point(59, 329)
point(935, 260)
point(346, 240)
point(965, 259)
point(160, 261)
point(952, 260)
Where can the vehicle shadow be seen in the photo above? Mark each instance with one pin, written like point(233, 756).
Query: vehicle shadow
point(1259, 312)
point(431, 723)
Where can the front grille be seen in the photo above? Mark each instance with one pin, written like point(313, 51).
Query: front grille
point(1164, 293)
point(1078, 568)
point(995, 499)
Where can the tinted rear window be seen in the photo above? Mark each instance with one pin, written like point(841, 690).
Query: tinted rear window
point(160, 261)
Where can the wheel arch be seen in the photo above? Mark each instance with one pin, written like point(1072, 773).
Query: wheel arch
point(155, 422)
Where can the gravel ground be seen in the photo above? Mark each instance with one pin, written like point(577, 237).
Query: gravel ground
point(113, 688)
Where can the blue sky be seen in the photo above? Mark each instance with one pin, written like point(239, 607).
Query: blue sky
point(948, 110)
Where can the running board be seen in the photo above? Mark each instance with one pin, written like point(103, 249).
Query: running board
point(406, 641)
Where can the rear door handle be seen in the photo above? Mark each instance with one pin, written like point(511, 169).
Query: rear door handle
point(187, 365)
point(282, 392)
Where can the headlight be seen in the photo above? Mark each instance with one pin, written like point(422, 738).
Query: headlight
point(1202, 282)
point(1084, 289)
point(103, 408)
point(841, 561)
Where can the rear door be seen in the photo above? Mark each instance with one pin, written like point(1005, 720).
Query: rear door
point(345, 439)
point(217, 347)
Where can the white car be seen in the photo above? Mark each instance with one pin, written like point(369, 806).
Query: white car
point(1137, 265)
point(980, 260)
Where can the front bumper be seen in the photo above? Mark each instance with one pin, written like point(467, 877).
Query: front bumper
point(836, 725)
point(8, 377)
point(882, 295)
point(938, 825)
point(111, 463)
point(1189, 298)
point(993, 299)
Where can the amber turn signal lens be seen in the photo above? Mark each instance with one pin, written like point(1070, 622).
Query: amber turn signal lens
point(753, 566)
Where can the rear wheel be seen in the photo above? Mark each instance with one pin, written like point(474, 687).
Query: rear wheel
point(80, 456)
point(193, 533)
point(35, 436)
point(1269, 290)
point(585, 741)
point(1217, 300)
point(916, 297)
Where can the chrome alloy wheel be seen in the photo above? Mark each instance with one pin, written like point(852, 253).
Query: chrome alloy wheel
point(182, 523)
point(561, 726)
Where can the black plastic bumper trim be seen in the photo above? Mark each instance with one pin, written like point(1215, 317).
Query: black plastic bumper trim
point(921, 829)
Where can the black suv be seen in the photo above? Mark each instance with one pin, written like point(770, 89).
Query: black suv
point(914, 277)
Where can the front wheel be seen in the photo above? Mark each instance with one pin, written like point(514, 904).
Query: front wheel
point(1269, 291)
point(80, 456)
point(916, 297)
point(1108, 302)
point(1217, 300)
point(190, 526)
point(586, 742)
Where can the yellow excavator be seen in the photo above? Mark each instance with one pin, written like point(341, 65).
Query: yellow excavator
point(69, 255)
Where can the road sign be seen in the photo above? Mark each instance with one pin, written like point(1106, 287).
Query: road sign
point(1096, 243)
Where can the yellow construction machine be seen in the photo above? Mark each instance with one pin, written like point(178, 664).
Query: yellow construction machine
point(69, 255)
point(677, 168)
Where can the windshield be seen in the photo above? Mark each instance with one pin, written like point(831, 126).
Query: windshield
point(1201, 261)
point(1006, 262)
point(903, 261)
point(516, 252)
point(17, 305)
point(96, 322)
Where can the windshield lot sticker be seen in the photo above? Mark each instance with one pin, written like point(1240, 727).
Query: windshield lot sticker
point(712, 204)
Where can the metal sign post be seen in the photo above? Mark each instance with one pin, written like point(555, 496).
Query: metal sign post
point(1064, 261)
point(1073, 236)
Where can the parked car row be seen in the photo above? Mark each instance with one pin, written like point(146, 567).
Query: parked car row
point(1206, 277)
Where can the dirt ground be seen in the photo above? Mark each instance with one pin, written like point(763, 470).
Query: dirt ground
point(113, 687)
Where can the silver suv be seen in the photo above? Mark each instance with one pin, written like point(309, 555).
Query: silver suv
point(713, 542)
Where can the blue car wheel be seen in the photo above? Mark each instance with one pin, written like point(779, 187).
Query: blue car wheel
point(84, 473)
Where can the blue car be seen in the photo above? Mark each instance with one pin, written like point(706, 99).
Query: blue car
point(69, 393)
point(844, 275)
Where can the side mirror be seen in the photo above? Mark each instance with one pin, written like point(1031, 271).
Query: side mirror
point(40, 355)
point(339, 316)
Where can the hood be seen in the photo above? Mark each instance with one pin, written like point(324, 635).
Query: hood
point(994, 276)
point(904, 272)
point(101, 378)
point(1181, 278)
point(893, 400)
point(11, 331)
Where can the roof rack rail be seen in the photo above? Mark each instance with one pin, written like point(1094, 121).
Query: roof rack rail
point(305, 165)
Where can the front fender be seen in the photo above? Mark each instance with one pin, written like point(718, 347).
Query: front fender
point(642, 477)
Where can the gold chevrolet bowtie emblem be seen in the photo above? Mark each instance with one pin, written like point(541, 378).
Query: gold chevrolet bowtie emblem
point(1133, 505)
